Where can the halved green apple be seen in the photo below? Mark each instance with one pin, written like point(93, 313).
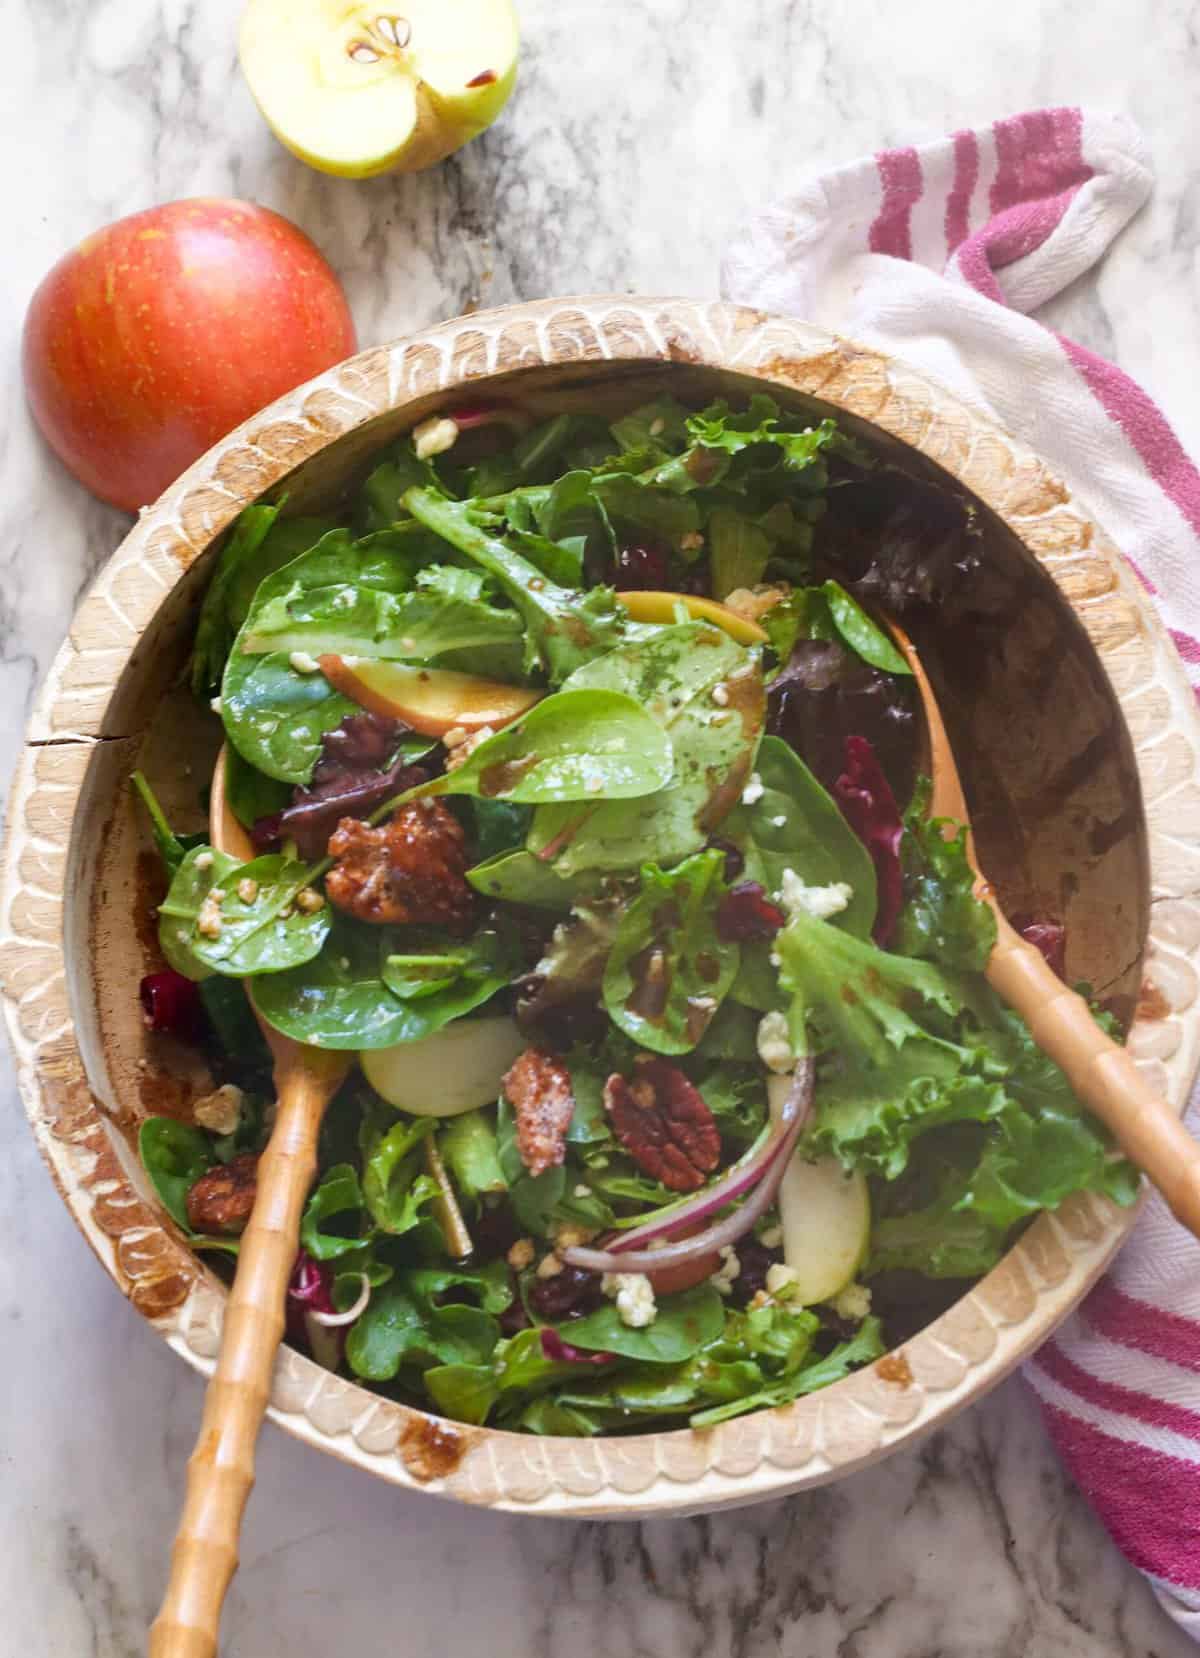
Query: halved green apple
point(356, 89)
point(430, 700)
point(660, 607)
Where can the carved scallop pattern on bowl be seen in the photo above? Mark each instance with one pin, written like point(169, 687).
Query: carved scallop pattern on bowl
point(813, 1439)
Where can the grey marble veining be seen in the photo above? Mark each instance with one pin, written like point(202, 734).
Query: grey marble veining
point(639, 136)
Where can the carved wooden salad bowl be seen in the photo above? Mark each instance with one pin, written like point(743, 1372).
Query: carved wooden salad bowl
point(1074, 727)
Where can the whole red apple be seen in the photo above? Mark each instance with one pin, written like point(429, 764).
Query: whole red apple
point(159, 334)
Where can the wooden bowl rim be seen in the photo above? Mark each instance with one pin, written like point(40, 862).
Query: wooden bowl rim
point(817, 1439)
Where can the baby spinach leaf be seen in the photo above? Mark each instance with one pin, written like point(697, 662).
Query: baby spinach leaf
point(376, 597)
point(337, 1194)
point(276, 717)
point(575, 745)
point(794, 824)
point(250, 792)
point(495, 826)
point(258, 543)
point(863, 636)
point(249, 907)
point(407, 1324)
point(172, 848)
point(431, 968)
point(706, 692)
point(683, 1325)
point(341, 1000)
point(521, 878)
point(232, 1018)
point(565, 628)
point(668, 971)
point(174, 1155)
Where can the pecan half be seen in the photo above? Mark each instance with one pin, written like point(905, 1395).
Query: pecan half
point(410, 869)
point(539, 1089)
point(222, 1198)
point(664, 1124)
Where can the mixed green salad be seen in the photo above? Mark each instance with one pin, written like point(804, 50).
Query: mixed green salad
point(584, 793)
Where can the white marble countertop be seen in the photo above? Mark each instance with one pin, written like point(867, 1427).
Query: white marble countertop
point(639, 135)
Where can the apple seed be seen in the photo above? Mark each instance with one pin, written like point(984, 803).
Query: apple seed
point(361, 52)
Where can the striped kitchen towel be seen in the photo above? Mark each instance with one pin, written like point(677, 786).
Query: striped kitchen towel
point(938, 254)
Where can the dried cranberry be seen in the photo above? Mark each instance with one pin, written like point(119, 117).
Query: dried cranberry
point(171, 1004)
point(642, 565)
point(754, 1259)
point(697, 579)
point(1050, 937)
point(569, 1294)
point(734, 861)
point(746, 912)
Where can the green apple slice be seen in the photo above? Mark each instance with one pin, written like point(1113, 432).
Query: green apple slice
point(825, 1214)
point(357, 89)
point(458, 1068)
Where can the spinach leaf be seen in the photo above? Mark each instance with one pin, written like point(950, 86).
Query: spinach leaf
point(495, 826)
point(174, 1155)
point(863, 636)
point(342, 999)
point(232, 1018)
point(172, 848)
point(250, 792)
point(565, 628)
point(794, 824)
point(668, 971)
point(468, 1147)
point(571, 746)
point(683, 1325)
point(275, 717)
point(706, 693)
point(258, 543)
point(829, 612)
point(521, 878)
point(378, 597)
point(250, 908)
point(337, 1194)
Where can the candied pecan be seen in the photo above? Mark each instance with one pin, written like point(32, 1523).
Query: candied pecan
point(221, 1200)
point(539, 1090)
point(664, 1124)
point(410, 869)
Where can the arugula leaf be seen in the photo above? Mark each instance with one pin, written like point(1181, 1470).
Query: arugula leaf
point(172, 848)
point(683, 1325)
point(518, 1369)
point(342, 1000)
point(392, 1189)
point(668, 971)
point(469, 1150)
point(674, 675)
point(564, 628)
point(260, 930)
point(574, 745)
point(337, 1193)
point(794, 824)
point(942, 920)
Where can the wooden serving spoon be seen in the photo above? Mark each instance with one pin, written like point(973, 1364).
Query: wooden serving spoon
point(1101, 1072)
point(221, 1469)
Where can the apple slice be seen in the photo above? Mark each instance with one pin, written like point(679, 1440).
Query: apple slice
point(430, 700)
point(457, 1069)
point(660, 607)
point(357, 89)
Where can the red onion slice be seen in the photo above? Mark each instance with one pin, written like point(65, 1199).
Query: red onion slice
point(470, 415)
point(760, 1174)
point(334, 1321)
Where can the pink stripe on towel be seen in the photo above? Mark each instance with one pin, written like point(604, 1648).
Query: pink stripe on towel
point(1133, 1323)
point(900, 176)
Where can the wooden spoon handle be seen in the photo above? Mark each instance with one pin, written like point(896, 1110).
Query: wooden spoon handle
point(221, 1469)
point(1102, 1074)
